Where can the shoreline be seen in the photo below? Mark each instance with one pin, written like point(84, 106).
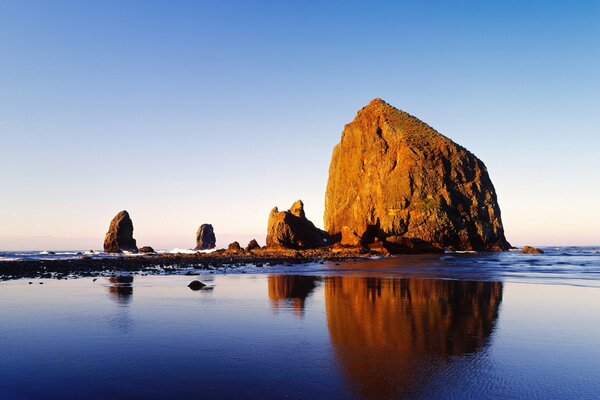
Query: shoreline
point(156, 262)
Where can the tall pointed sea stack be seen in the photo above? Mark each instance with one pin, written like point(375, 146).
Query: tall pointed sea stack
point(394, 178)
point(120, 234)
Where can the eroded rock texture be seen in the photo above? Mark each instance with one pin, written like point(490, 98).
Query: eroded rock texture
point(205, 237)
point(120, 234)
point(292, 229)
point(394, 178)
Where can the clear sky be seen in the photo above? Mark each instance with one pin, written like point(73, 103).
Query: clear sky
point(185, 112)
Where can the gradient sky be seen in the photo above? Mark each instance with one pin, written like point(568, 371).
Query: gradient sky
point(188, 112)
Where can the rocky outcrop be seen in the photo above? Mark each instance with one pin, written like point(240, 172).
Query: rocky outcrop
point(205, 237)
point(120, 234)
point(531, 250)
point(234, 247)
point(293, 230)
point(146, 249)
point(252, 245)
point(395, 179)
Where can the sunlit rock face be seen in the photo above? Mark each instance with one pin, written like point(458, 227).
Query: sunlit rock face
point(291, 229)
point(395, 178)
point(392, 335)
point(291, 291)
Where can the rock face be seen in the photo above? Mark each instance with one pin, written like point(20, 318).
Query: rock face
point(234, 247)
point(531, 250)
point(252, 245)
point(205, 237)
point(394, 178)
point(120, 234)
point(293, 230)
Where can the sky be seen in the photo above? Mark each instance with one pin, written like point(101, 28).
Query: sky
point(191, 112)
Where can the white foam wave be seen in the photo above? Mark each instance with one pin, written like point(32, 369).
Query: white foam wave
point(183, 251)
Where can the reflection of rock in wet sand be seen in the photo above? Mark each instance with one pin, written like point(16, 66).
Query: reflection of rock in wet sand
point(391, 335)
point(291, 291)
point(121, 288)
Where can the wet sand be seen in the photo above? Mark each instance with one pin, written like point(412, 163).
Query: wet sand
point(274, 335)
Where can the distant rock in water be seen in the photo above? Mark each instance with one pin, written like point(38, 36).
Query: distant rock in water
point(146, 249)
point(531, 250)
point(292, 229)
point(205, 237)
point(394, 178)
point(120, 235)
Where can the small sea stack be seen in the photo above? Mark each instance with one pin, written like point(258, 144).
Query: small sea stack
point(531, 250)
point(291, 229)
point(252, 245)
point(395, 179)
point(205, 237)
point(119, 237)
point(234, 247)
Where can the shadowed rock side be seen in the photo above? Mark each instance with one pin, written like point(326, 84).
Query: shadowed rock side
point(205, 237)
point(395, 178)
point(120, 234)
point(293, 230)
point(291, 291)
point(392, 335)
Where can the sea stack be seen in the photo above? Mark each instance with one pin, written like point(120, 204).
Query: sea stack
point(120, 234)
point(394, 178)
point(205, 237)
point(291, 229)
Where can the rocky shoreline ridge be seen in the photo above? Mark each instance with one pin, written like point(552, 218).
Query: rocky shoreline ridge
point(153, 263)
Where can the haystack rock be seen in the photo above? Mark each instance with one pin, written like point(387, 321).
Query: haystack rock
point(293, 230)
point(394, 178)
point(205, 237)
point(120, 234)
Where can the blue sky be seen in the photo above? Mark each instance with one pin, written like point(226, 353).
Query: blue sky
point(192, 112)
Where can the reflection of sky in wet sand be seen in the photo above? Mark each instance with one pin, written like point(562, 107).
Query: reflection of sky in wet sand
point(358, 337)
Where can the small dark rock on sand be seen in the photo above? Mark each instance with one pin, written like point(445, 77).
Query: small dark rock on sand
point(196, 285)
point(146, 249)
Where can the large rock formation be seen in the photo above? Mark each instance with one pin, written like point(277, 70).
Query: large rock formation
point(394, 178)
point(292, 229)
point(120, 234)
point(205, 237)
